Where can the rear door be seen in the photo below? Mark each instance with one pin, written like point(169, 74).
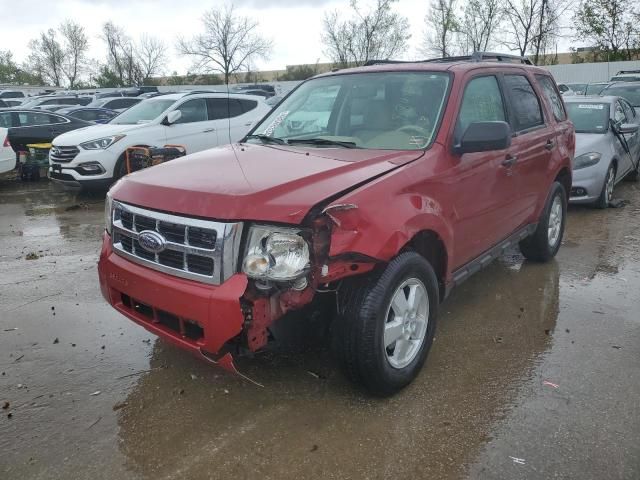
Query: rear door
point(193, 130)
point(37, 127)
point(532, 146)
point(484, 184)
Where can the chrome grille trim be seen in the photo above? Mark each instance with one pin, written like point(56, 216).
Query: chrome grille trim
point(223, 255)
point(63, 154)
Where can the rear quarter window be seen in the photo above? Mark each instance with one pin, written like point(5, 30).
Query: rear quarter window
point(553, 96)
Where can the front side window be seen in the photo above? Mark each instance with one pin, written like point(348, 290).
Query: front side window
point(193, 111)
point(482, 102)
point(619, 115)
point(589, 117)
point(389, 110)
point(553, 96)
point(628, 111)
point(525, 104)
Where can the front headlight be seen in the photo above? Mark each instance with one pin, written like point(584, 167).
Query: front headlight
point(101, 143)
point(108, 205)
point(586, 160)
point(275, 253)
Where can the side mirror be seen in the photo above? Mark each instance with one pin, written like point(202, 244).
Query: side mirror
point(485, 136)
point(628, 128)
point(172, 117)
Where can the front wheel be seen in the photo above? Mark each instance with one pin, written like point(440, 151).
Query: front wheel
point(606, 195)
point(387, 324)
point(545, 242)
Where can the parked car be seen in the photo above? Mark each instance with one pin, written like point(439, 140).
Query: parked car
point(265, 87)
point(4, 94)
point(12, 103)
point(607, 147)
point(596, 88)
point(3, 104)
point(90, 114)
point(577, 88)
point(7, 155)
point(629, 91)
point(417, 176)
point(34, 126)
point(626, 76)
point(565, 90)
point(95, 157)
point(38, 102)
point(119, 104)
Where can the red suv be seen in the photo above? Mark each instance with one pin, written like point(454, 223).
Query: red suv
point(377, 189)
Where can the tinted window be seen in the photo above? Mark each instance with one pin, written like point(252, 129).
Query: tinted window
point(84, 101)
point(220, 108)
point(482, 102)
point(553, 96)
point(524, 102)
point(6, 120)
point(11, 95)
point(89, 115)
point(33, 119)
point(3, 104)
point(589, 117)
point(631, 93)
point(193, 111)
point(595, 88)
point(121, 103)
point(248, 105)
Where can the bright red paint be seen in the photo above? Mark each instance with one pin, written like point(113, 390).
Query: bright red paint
point(470, 202)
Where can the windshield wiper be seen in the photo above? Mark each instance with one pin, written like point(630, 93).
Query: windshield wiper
point(323, 141)
point(267, 138)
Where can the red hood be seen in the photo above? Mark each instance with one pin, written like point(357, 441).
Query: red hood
point(277, 184)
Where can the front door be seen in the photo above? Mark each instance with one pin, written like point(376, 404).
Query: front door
point(193, 130)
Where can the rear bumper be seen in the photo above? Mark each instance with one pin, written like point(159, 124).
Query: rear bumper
point(191, 315)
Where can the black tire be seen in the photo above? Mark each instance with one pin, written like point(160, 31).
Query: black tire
point(120, 170)
point(364, 305)
point(605, 197)
point(538, 247)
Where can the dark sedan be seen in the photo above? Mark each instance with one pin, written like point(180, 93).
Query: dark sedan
point(33, 126)
point(89, 114)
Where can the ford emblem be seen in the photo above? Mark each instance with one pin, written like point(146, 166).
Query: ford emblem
point(152, 241)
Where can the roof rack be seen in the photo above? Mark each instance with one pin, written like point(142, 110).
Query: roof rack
point(627, 71)
point(474, 57)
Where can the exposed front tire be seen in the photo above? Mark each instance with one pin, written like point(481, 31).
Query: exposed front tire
point(606, 195)
point(545, 242)
point(387, 324)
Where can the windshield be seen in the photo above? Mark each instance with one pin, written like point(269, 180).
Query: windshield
point(143, 112)
point(589, 117)
point(391, 110)
point(595, 88)
point(631, 93)
point(577, 87)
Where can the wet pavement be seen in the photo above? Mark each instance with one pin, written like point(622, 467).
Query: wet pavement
point(534, 374)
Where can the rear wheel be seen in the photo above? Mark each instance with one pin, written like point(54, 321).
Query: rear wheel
point(545, 242)
point(606, 195)
point(388, 324)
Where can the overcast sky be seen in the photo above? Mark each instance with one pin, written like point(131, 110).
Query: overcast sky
point(293, 25)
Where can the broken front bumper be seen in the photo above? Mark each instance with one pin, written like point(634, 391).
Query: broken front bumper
point(194, 316)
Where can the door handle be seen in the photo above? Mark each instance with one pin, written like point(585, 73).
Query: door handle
point(510, 160)
point(550, 144)
point(209, 130)
point(248, 124)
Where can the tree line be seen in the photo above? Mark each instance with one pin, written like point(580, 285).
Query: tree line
point(231, 43)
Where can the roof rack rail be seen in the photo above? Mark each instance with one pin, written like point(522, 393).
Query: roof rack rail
point(627, 71)
point(474, 57)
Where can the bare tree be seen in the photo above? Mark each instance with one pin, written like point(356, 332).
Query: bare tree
point(122, 55)
point(442, 27)
point(532, 25)
point(75, 49)
point(228, 44)
point(479, 24)
point(47, 57)
point(151, 56)
point(377, 34)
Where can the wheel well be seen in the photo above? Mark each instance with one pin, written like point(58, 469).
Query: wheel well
point(564, 177)
point(429, 244)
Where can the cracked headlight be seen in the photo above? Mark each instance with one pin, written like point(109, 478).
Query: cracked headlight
point(101, 143)
point(586, 160)
point(274, 253)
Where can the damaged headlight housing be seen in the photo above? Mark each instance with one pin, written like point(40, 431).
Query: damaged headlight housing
point(586, 160)
point(275, 253)
point(108, 206)
point(101, 143)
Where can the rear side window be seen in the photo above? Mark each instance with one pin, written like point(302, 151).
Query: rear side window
point(220, 108)
point(121, 103)
point(89, 115)
point(553, 96)
point(248, 105)
point(30, 119)
point(524, 103)
point(482, 102)
point(6, 120)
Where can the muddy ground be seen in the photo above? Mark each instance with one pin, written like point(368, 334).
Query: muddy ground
point(534, 374)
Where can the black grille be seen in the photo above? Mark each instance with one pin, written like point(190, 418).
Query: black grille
point(144, 223)
point(202, 237)
point(171, 258)
point(200, 265)
point(127, 243)
point(63, 154)
point(141, 252)
point(172, 231)
point(127, 219)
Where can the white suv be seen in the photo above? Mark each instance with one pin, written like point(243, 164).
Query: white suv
point(94, 157)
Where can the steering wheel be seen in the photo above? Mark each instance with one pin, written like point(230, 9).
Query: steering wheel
point(414, 129)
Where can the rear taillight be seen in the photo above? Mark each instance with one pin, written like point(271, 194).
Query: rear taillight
point(6, 142)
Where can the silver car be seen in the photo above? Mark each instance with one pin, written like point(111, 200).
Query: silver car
point(607, 147)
